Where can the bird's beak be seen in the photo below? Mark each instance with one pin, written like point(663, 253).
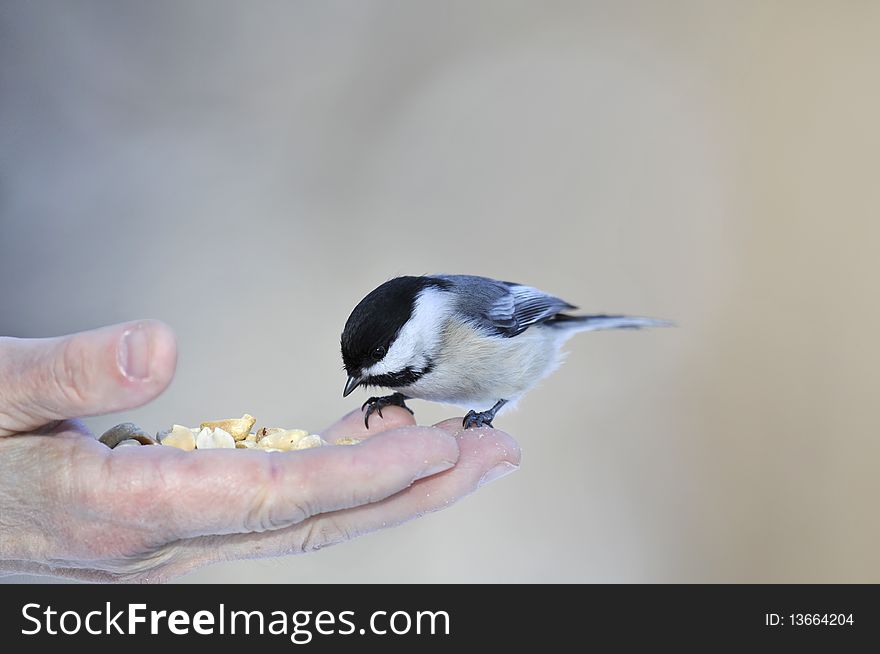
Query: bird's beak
point(352, 383)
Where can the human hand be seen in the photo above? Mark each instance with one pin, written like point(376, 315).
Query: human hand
point(71, 507)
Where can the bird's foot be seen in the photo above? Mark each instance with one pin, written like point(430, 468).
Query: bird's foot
point(376, 404)
point(478, 419)
point(482, 418)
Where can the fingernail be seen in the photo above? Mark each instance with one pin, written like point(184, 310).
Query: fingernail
point(500, 470)
point(133, 355)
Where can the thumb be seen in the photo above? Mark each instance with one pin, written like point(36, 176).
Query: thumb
point(90, 373)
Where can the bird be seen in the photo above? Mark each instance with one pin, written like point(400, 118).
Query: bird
point(471, 341)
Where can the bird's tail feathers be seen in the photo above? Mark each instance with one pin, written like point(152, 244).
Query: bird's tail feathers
point(597, 322)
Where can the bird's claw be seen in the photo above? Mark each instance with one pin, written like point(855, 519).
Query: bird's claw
point(375, 404)
point(482, 418)
point(478, 419)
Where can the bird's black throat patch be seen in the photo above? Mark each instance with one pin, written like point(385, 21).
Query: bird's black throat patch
point(405, 377)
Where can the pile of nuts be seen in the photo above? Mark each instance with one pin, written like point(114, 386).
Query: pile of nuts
point(213, 434)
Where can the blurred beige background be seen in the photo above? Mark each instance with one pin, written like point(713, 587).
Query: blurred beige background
point(248, 171)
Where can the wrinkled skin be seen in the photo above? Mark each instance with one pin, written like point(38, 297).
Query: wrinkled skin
point(71, 507)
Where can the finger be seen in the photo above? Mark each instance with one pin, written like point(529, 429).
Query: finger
point(223, 491)
point(486, 455)
point(90, 373)
point(352, 424)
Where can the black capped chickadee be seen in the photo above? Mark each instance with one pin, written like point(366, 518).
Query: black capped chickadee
point(460, 339)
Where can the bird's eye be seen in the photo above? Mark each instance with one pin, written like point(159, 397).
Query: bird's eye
point(378, 353)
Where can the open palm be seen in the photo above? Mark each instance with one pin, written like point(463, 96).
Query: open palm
point(72, 507)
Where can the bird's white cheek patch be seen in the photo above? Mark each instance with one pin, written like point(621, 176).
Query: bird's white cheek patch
point(418, 337)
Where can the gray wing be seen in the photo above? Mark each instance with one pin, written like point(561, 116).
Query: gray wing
point(505, 308)
point(524, 306)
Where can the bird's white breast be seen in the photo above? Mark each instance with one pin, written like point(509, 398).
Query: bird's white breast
point(474, 370)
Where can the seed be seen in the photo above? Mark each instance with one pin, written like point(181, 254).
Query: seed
point(126, 431)
point(232, 433)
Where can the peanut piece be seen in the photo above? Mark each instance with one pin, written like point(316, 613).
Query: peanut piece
point(286, 439)
point(313, 440)
point(238, 428)
point(215, 438)
point(180, 437)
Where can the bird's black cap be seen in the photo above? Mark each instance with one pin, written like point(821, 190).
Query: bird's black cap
point(377, 319)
